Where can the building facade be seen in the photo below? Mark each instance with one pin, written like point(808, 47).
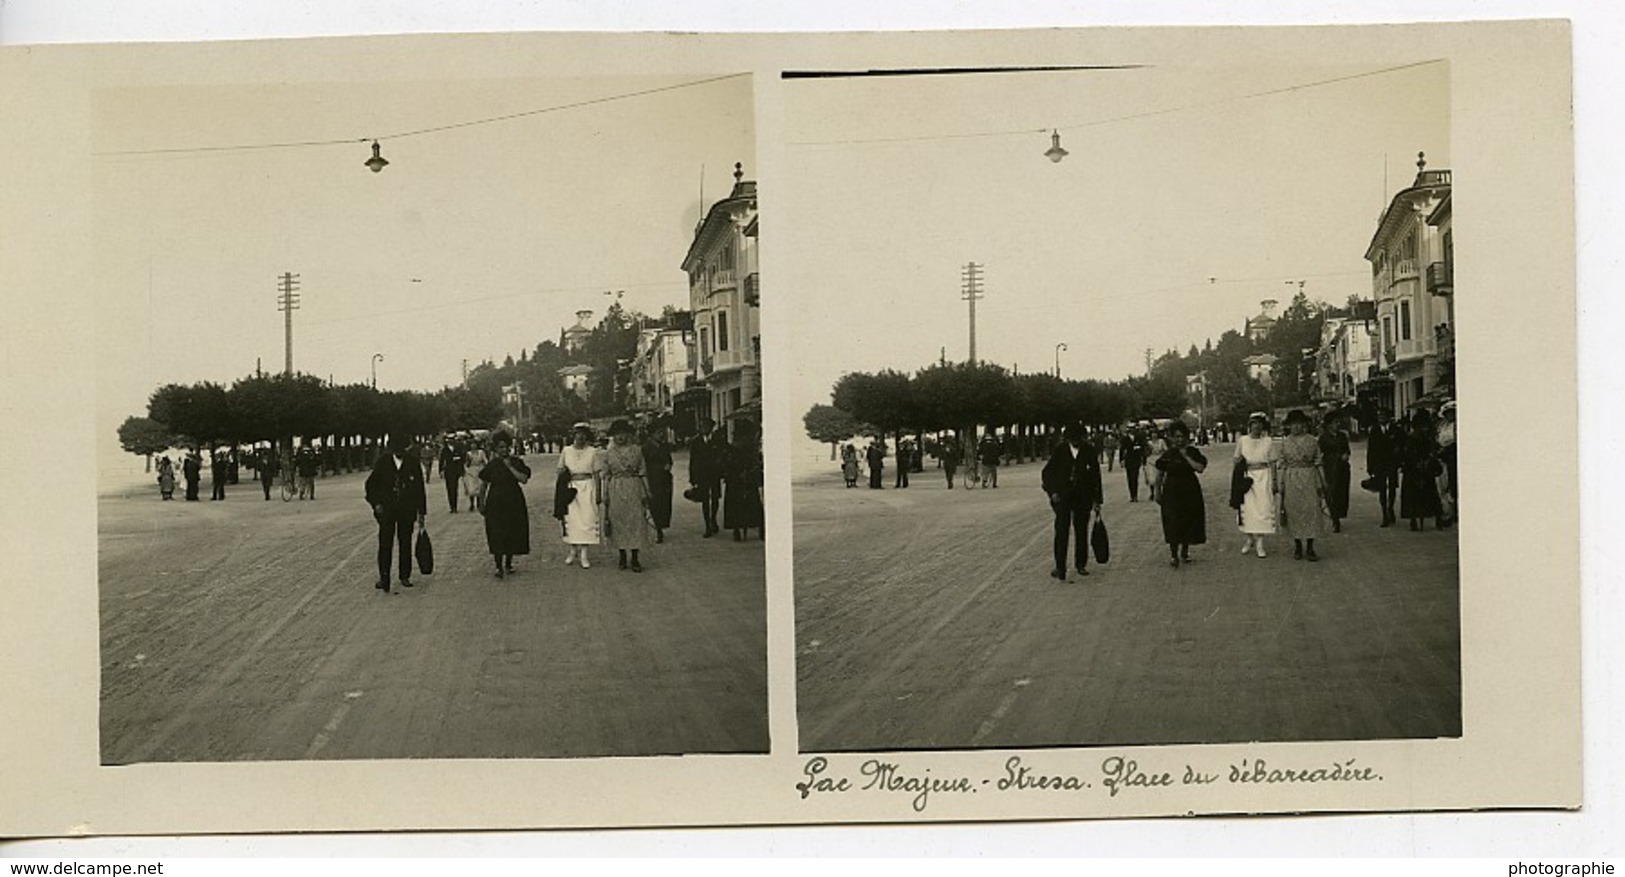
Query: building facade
point(1412, 314)
point(1346, 355)
point(724, 296)
point(663, 368)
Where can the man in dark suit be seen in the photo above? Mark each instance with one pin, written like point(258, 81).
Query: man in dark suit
point(218, 472)
point(192, 469)
point(1382, 462)
point(395, 492)
point(706, 455)
point(1071, 478)
point(1134, 449)
point(453, 462)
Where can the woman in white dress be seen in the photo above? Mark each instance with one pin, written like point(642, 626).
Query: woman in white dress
point(1256, 452)
point(471, 477)
point(579, 461)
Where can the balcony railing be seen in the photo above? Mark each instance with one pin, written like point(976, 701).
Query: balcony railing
point(1440, 279)
point(723, 279)
point(1404, 269)
point(753, 289)
point(1433, 178)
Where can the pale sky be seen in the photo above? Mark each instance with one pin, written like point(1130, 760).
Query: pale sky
point(473, 243)
point(1110, 251)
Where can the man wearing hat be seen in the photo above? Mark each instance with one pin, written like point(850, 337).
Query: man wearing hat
point(1382, 451)
point(706, 454)
point(395, 492)
point(1071, 479)
point(1134, 448)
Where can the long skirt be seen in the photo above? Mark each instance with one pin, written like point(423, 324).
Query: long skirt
point(660, 498)
point(1418, 493)
point(626, 524)
point(581, 520)
point(1305, 516)
point(507, 520)
point(1337, 488)
point(1258, 506)
point(1184, 519)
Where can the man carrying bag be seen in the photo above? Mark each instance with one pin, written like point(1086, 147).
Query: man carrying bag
point(395, 492)
point(1071, 479)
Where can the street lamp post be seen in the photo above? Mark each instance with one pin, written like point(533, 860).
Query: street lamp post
point(376, 358)
point(1058, 348)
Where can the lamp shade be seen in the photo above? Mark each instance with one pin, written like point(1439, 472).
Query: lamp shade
point(1055, 153)
point(377, 162)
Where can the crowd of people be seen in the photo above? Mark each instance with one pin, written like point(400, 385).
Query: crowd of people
point(614, 489)
point(1297, 483)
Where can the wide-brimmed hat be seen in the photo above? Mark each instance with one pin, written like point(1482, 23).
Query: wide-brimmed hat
point(620, 427)
point(581, 426)
point(1296, 415)
point(1259, 416)
point(1447, 407)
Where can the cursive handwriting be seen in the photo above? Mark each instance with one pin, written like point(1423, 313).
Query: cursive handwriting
point(887, 777)
point(1339, 772)
point(1126, 774)
point(1020, 776)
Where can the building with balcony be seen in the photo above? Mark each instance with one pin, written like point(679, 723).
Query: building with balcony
point(577, 379)
point(1441, 283)
point(1412, 315)
point(1346, 354)
point(724, 295)
point(662, 368)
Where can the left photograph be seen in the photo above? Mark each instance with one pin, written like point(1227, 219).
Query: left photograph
point(429, 420)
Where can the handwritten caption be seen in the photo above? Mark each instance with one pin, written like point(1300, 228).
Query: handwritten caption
point(1116, 776)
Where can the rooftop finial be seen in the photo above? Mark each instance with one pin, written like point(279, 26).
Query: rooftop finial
point(1421, 161)
point(739, 171)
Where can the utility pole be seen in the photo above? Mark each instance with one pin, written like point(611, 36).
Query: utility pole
point(970, 292)
point(287, 302)
point(465, 371)
point(1148, 362)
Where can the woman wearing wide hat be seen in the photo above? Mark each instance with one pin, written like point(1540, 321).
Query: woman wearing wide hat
point(1302, 487)
point(626, 495)
point(1334, 467)
point(1257, 455)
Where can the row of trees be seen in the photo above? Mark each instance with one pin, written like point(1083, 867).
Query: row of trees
point(280, 408)
point(961, 396)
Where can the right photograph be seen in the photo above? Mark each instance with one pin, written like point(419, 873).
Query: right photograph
point(1125, 401)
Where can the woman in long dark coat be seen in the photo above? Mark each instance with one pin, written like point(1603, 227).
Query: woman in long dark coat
point(1334, 467)
point(1184, 519)
point(1419, 470)
point(507, 520)
point(657, 460)
point(742, 495)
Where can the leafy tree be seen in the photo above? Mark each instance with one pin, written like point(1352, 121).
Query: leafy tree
point(885, 400)
point(143, 436)
point(826, 423)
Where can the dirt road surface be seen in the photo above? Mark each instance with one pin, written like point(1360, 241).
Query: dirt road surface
point(926, 619)
point(251, 630)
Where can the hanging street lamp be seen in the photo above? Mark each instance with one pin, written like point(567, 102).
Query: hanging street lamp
point(1055, 153)
point(377, 162)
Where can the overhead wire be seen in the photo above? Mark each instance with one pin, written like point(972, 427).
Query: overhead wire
point(1125, 118)
point(400, 135)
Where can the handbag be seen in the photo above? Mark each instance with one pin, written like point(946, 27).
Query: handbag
point(424, 551)
point(1372, 484)
point(694, 494)
point(1100, 542)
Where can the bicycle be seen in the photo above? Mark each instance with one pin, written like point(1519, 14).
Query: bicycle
point(971, 475)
